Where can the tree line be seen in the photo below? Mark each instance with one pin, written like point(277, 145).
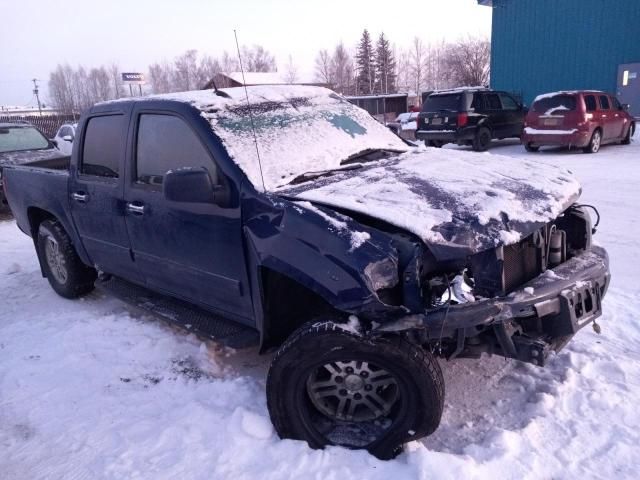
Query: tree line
point(383, 69)
point(372, 67)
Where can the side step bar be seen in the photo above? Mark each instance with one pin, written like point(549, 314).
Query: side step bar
point(178, 312)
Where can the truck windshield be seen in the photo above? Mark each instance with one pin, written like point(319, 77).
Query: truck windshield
point(14, 139)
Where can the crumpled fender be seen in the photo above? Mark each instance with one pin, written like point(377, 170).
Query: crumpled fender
point(328, 253)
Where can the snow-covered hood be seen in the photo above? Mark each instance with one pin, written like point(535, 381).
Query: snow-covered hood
point(27, 156)
point(457, 202)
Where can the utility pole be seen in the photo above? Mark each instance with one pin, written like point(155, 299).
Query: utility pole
point(35, 92)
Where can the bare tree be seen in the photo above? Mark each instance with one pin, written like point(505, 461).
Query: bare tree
point(343, 70)
point(257, 59)
point(185, 74)
point(114, 70)
point(160, 77)
point(60, 89)
point(417, 58)
point(291, 71)
point(468, 61)
point(208, 69)
point(323, 67)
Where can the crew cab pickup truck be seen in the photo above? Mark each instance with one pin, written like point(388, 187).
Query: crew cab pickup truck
point(290, 218)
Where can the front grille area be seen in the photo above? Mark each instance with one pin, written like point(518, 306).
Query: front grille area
point(504, 269)
point(522, 262)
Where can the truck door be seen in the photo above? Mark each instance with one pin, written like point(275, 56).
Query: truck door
point(497, 116)
point(513, 115)
point(191, 251)
point(96, 188)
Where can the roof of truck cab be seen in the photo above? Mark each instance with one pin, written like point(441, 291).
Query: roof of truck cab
point(295, 128)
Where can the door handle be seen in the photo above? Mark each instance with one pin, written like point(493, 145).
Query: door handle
point(136, 209)
point(604, 116)
point(80, 197)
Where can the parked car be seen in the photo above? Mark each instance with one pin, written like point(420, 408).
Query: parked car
point(581, 119)
point(469, 116)
point(359, 257)
point(20, 143)
point(64, 137)
point(404, 125)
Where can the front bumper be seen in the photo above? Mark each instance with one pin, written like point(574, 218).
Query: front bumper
point(530, 322)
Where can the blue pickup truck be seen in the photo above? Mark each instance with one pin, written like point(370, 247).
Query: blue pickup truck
point(288, 218)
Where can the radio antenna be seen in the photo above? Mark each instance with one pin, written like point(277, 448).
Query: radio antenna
point(253, 127)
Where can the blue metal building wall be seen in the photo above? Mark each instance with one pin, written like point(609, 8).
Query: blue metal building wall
point(542, 46)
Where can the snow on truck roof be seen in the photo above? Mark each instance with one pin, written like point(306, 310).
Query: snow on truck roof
point(299, 129)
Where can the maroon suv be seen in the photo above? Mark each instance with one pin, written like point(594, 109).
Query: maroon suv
point(583, 119)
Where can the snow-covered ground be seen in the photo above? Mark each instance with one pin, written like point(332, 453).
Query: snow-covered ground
point(90, 390)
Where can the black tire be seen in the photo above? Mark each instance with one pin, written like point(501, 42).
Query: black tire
point(482, 139)
point(630, 132)
point(67, 275)
point(435, 143)
point(529, 147)
point(595, 143)
point(417, 383)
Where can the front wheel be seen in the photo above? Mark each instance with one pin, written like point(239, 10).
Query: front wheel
point(627, 139)
point(330, 386)
point(67, 275)
point(594, 143)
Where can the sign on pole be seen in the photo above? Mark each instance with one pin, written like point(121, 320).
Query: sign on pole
point(133, 78)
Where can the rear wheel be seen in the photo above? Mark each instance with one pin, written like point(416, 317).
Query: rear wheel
point(329, 386)
point(594, 143)
point(630, 132)
point(529, 147)
point(435, 143)
point(482, 139)
point(66, 273)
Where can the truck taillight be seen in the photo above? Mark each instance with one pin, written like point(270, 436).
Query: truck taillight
point(463, 118)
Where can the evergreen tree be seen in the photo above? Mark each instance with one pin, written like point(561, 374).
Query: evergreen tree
point(385, 67)
point(365, 62)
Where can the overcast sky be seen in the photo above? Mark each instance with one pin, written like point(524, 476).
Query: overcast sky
point(36, 35)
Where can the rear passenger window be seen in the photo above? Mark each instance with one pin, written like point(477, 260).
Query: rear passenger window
point(493, 101)
point(508, 103)
point(477, 103)
point(166, 143)
point(604, 102)
point(590, 103)
point(104, 141)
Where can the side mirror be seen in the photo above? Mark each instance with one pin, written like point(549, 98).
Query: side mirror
point(192, 185)
point(68, 138)
point(625, 107)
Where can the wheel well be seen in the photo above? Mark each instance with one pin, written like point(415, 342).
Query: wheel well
point(287, 304)
point(36, 217)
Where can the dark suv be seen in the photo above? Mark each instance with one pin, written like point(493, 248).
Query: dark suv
point(470, 116)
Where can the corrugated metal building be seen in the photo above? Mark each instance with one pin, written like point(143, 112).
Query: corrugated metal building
point(542, 46)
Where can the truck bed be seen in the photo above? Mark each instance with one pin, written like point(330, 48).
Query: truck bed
point(39, 185)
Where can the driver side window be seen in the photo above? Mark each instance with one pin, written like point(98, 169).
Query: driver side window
point(164, 143)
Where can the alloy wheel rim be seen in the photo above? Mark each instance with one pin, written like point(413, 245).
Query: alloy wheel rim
point(596, 142)
point(352, 391)
point(55, 260)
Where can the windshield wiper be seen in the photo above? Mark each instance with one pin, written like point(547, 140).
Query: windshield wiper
point(305, 177)
point(368, 155)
